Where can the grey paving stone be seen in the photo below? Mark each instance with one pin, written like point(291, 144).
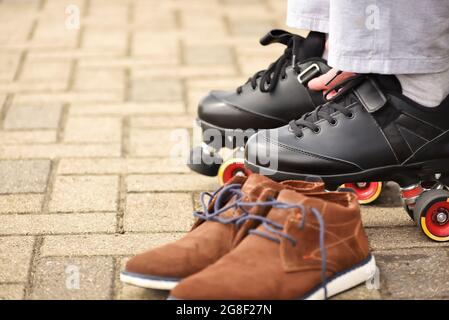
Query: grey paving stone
point(23, 176)
point(251, 27)
point(27, 137)
point(104, 244)
point(40, 224)
point(8, 63)
point(12, 291)
point(99, 79)
point(73, 278)
point(2, 101)
point(21, 203)
point(93, 129)
point(158, 212)
point(15, 258)
point(400, 238)
point(376, 216)
point(121, 166)
point(145, 89)
point(33, 116)
point(45, 71)
point(59, 150)
point(54, 33)
point(214, 55)
point(84, 194)
point(171, 182)
point(172, 143)
point(128, 108)
point(96, 39)
point(419, 273)
point(162, 122)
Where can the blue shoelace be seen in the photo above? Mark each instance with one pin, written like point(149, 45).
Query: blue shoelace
point(234, 190)
point(222, 194)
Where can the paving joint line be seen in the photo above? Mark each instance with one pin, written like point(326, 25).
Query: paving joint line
point(39, 239)
point(115, 283)
point(6, 106)
point(35, 256)
point(121, 205)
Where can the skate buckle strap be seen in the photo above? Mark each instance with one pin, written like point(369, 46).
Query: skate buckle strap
point(370, 96)
point(309, 73)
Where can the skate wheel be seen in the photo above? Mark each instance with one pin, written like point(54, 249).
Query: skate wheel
point(366, 192)
point(204, 162)
point(232, 168)
point(431, 214)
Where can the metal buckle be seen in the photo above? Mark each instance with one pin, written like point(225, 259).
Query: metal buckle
point(301, 77)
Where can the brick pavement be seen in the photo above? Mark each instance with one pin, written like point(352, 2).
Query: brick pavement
point(89, 119)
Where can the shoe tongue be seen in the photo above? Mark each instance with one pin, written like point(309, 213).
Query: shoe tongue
point(389, 83)
point(304, 186)
point(253, 187)
point(288, 196)
point(256, 183)
point(312, 46)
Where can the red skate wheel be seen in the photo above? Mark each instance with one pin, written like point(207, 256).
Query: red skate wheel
point(366, 192)
point(432, 214)
point(232, 168)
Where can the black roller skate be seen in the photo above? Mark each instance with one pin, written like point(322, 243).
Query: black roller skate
point(269, 99)
point(368, 131)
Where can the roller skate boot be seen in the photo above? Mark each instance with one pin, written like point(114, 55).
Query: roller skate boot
point(368, 131)
point(269, 99)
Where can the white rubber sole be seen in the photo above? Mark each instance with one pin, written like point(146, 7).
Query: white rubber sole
point(346, 280)
point(148, 283)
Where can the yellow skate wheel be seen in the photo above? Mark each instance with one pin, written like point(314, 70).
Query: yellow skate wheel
point(431, 214)
point(366, 192)
point(231, 168)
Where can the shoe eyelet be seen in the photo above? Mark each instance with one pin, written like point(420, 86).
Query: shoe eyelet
point(283, 77)
point(299, 136)
point(333, 122)
point(350, 115)
point(316, 131)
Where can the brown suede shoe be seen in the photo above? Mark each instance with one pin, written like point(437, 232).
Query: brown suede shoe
point(215, 233)
point(308, 247)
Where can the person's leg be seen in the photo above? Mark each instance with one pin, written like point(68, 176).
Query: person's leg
point(369, 130)
point(389, 37)
point(426, 89)
point(308, 15)
point(393, 37)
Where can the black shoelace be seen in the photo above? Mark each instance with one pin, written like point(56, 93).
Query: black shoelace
point(337, 103)
point(269, 78)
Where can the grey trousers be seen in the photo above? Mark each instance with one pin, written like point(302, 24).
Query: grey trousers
point(408, 38)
